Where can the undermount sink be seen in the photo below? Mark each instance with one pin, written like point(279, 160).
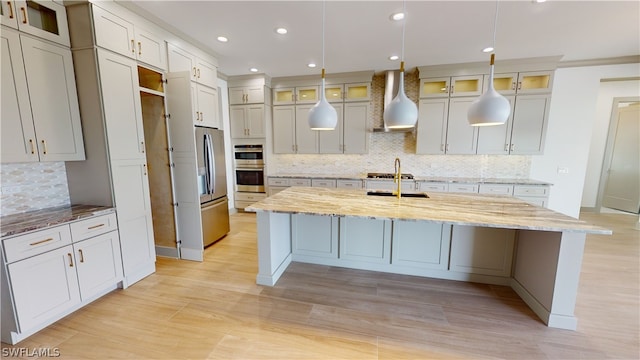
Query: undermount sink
point(386, 193)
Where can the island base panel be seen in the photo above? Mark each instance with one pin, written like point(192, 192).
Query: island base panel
point(274, 246)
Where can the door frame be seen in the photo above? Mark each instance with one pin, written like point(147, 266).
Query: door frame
point(608, 152)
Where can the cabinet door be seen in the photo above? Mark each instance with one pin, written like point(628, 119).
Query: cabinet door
point(113, 32)
point(99, 264)
point(307, 95)
point(283, 96)
point(535, 82)
point(434, 87)
point(151, 49)
point(208, 106)
point(284, 129)
point(331, 141)
point(8, 14)
point(334, 93)
point(432, 126)
point(45, 19)
point(421, 244)
point(357, 92)
point(496, 139)
point(44, 286)
point(236, 96)
point(481, 250)
point(314, 235)
point(237, 121)
point(180, 60)
point(122, 108)
point(206, 73)
point(254, 94)
point(306, 139)
point(461, 137)
point(182, 112)
point(255, 121)
point(16, 123)
point(135, 227)
point(365, 240)
point(54, 100)
point(529, 124)
point(466, 85)
point(504, 83)
point(356, 134)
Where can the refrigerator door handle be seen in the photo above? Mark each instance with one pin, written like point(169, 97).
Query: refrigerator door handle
point(211, 169)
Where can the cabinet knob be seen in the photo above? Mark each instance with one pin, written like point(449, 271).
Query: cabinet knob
point(201, 116)
point(512, 147)
point(513, 85)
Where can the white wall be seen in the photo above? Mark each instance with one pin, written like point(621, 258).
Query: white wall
point(607, 92)
point(572, 118)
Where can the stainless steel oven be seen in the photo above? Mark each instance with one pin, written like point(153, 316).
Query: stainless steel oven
point(249, 168)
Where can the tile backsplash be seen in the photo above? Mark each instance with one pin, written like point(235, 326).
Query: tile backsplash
point(32, 186)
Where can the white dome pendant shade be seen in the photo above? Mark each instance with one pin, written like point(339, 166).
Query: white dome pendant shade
point(322, 115)
point(490, 108)
point(401, 113)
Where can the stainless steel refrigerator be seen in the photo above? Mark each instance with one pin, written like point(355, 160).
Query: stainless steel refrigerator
point(212, 184)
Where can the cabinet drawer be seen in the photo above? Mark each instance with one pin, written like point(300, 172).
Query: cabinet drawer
point(349, 184)
point(276, 189)
point(278, 182)
point(497, 189)
point(326, 183)
point(463, 188)
point(300, 182)
point(24, 246)
point(433, 187)
point(251, 197)
point(530, 190)
point(540, 201)
point(94, 226)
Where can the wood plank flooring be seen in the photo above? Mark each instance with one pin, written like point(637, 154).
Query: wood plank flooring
point(214, 310)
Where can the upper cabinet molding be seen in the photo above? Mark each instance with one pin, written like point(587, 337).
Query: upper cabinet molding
point(501, 66)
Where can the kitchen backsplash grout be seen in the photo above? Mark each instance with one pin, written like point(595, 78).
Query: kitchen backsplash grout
point(32, 186)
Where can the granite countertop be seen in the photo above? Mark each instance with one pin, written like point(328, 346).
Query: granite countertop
point(40, 219)
point(443, 179)
point(458, 209)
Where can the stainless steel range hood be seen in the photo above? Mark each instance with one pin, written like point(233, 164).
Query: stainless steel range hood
point(391, 80)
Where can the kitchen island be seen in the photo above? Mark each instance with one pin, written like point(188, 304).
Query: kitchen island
point(480, 238)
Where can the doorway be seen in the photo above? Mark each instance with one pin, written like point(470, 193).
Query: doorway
point(620, 179)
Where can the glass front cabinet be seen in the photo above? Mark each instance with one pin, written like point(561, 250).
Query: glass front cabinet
point(451, 86)
point(534, 82)
point(45, 19)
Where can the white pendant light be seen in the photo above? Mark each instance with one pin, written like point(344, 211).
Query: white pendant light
point(322, 115)
point(490, 108)
point(401, 113)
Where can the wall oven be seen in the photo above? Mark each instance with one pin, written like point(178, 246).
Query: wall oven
point(249, 168)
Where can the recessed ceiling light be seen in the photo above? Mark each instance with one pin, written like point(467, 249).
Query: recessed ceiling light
point(397, 16)
point(488, 49)
point(394, 57)
point(539, 1)
point(281, 30)
point(253, 70)
point(311, 65)
point(222, 39)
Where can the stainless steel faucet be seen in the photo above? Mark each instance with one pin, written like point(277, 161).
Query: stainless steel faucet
point(397, 178)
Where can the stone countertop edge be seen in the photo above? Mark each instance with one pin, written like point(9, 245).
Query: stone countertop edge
point(18, 224)
point(443, 179)
point(457, 209)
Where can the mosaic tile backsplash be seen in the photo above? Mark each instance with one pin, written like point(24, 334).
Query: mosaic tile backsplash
point(32, 186)
point(385, 147)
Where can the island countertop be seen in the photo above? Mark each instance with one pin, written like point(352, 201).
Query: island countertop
point(454, 208)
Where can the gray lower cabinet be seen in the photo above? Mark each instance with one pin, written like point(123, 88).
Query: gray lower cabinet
point(314, 235)
point(366, 240)
point(421, 244)
point(482, 250)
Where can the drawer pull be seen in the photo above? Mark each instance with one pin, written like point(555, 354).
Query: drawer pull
point(70, 259)
point(81, 255)
point(41, 242)
point(95, 226)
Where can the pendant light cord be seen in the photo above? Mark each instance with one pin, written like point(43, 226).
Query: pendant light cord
point(404, 23)
point(495, 26)
point(323, 15)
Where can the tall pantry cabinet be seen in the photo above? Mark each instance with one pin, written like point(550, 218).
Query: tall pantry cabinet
point(115, 172)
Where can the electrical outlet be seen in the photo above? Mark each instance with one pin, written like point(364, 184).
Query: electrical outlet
point(563, 170)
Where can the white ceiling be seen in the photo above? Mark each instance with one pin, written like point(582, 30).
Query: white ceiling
point(360, 36)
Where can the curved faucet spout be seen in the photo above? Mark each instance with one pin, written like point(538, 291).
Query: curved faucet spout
point(397, 177)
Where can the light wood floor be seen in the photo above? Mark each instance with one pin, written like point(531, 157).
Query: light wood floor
point(214, 309)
